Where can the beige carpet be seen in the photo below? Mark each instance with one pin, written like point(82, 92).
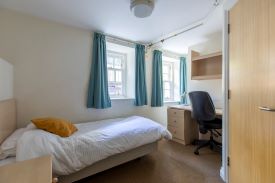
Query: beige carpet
point(172, 163)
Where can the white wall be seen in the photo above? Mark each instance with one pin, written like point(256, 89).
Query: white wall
point(52, 66)
point(213, 87)
point(6, 80)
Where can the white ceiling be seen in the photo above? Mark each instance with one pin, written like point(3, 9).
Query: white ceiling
point(114, 17)
point(211, 29)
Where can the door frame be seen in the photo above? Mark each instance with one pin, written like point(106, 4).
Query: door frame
point(225, 89)
point(224, 171)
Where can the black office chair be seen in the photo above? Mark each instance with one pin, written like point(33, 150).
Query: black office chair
point(203, 111)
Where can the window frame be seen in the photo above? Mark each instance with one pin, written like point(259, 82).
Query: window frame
point(123, 56)
point(171, 81)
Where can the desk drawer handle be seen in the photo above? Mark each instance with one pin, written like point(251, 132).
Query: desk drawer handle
point(263, 108)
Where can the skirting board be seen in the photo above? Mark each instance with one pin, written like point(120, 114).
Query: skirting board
point(222, 174)
point(110, 162)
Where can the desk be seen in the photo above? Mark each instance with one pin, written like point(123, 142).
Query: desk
point(188, 108)
point(180, 123)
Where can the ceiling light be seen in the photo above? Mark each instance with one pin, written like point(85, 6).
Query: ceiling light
point(142, 8)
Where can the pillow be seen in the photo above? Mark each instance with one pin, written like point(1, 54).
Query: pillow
point(8, 147)
point(61, 127)
point(30, 126)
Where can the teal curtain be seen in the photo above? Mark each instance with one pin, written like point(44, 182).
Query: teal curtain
point(183, 80)
point(98, 95)
point(140, 82)
point(157, 81)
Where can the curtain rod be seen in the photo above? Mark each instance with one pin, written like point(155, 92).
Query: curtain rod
point(147, 46)
point(119, 39)
point(199, 23)
point(132, 44)
point(174, 35)
point(172, 54)
point(114, 38)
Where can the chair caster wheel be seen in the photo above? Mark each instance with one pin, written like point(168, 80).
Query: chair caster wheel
point(196, 153)
point(211, 147)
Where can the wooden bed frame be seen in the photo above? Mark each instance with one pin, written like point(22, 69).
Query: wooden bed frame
point(7, 118)
point(110, 162)
point(8, 125)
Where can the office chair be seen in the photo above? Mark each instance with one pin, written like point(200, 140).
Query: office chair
point(203, 111)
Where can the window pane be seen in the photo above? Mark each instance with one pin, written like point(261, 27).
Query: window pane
point(165, 77)
point(112, 88)
point(165, 69)
point(167, 94)
point(118, 76)
point(118, 63)
point(110, 62)
point(115, 89)
point(168, 81)
point(118, 89)
point(167, 86)
point(116, 73)
point(111, 76)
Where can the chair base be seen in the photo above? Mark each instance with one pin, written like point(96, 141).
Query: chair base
point(214, 145)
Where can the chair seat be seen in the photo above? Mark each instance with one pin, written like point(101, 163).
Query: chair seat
point(213, 124)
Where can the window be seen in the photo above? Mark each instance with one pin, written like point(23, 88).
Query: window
point(170, 74)
point(121, 69)
point(168, 80)
point(116, 63)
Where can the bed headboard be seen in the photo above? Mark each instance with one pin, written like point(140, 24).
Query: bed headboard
point(7, 118)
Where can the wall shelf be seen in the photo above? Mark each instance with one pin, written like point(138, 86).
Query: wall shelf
point(206, 67)
point(207, 77)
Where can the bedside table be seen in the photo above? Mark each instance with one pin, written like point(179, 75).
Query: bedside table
point(38, 170)
point(180, 124)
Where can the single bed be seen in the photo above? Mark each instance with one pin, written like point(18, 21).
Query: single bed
point(115, 152)
point(7, 161)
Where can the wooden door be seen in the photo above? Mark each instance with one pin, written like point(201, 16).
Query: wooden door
point(252, 84)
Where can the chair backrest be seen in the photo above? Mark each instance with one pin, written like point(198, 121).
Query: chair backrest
point(202, 105)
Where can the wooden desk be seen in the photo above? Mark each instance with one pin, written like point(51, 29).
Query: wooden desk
point(188, 108)
point(180, 123)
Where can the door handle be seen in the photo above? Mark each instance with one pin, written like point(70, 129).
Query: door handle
point(263, 108)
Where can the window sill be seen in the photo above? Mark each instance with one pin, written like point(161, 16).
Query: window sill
point(115, 99)
point(169, 102)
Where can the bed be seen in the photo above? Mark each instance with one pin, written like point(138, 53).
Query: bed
point(113, 154)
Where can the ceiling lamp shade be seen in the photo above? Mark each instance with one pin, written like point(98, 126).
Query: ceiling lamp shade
point(142, 8)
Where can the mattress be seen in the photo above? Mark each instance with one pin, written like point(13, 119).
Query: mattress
point(94, 141)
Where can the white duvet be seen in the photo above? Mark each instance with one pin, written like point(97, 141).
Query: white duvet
point(92, 142)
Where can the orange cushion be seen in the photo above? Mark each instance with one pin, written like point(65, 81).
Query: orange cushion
point(61, 127)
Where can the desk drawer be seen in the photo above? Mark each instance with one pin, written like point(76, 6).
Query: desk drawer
point(176, 133)
point(176, 121)
point(175, 113)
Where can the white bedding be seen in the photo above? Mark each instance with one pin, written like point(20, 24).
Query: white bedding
point(92, 142)
point(7, 161)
